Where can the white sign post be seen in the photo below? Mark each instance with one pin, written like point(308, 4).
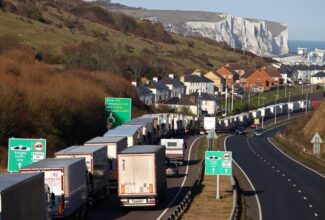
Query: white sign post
point(316, 140)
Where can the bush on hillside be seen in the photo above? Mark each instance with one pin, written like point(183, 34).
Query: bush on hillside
point(66, 108)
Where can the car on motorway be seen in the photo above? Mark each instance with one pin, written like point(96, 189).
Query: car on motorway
point(241, 131)
point(172, 168)
point(258, 131)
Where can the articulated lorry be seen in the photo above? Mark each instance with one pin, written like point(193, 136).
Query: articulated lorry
point(141, 175)
point(23, 196)
point(66, 179)
point(97, 166)
point(114, 146)
point(175, 149)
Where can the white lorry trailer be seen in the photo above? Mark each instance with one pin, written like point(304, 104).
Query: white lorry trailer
point(141, 175)
point(66, 179)
point(22, 196)
point(114, 146)
point(97, 166)
point(175, 149)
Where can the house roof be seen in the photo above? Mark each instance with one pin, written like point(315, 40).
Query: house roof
point(196, 79)
point(172, 81)
point(226, 70)
point(205, 96)
point(185, 100)
point(158, 85)
point(319, 75)
point(142, 90)
point(273, 72)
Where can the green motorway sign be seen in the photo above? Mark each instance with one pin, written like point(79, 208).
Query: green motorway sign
point(118, 111)
point(23, 152)
point(218, 163)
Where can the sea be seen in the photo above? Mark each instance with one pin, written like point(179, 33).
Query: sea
point(311, 45)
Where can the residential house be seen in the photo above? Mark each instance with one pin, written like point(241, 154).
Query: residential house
point(258, 80)
point(209, 104)
point(318, 78)
point(178, 104)
point(218, 80)
point(145, 94)
point(229, 74)
point(159, 89)
point(176, 87)
point(196, 82)
point(275, 75)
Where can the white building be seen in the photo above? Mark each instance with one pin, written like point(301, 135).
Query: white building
point(159, 89)
point(198, 83)
point(318, 78)
point(176, 87)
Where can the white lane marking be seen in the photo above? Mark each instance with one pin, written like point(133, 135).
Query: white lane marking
point(283, 174)
point(289, 180)
point(316, 214)
point(310, 206)
point(294, 185)
point(249, 181)
point(278, 171)
point(321, 175)
point(305, 198)
point(183, 183)
point(299, 191)
point(273, 167)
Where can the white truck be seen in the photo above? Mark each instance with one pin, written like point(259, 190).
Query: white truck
point(141, 175)
point(97, 166)
point(66, 179)
point(175, 149)
point(114, 146)
point(22, 196)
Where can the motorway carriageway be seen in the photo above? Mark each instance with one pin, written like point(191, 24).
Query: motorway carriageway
point(283, 188)
point(177, 189)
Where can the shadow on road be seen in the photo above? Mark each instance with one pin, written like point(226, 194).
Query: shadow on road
point(250, 192)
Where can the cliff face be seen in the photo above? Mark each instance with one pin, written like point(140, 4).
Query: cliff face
point(257, 36)
point(260, 37)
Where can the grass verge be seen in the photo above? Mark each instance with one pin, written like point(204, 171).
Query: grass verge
point(205, 205)
point(292, 150)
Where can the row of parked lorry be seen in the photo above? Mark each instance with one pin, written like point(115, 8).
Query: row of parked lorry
point(247, 118)
point(129, 157)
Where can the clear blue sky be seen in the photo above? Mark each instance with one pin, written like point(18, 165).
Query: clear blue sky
point(305, 18)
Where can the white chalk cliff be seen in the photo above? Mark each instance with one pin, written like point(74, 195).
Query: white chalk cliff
point(259, 37)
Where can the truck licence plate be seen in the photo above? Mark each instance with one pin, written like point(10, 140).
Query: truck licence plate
point(137, 201)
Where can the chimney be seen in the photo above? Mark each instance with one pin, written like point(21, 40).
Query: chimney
point(155, 79)
point(182, 79)
point(134, 83)
point(171, 76)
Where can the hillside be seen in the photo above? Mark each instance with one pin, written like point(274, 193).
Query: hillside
point(261, 37)
point(64, 107)
point(302, 131)
point(77, 34)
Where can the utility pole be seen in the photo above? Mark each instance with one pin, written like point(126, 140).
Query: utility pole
point(226, 101)
point(232, 98)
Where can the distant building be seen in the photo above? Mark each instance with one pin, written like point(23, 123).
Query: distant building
point(262, 80)
point(218, 80)
point(159, 89)
point(145, 94)
point(176, 87)
point(196, 82)
point(230, 75)
point(178, 104)
point(318, 78)
point(209, 104)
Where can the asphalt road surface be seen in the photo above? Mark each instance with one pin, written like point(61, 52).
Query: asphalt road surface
point(284, 189)
point(177, 189)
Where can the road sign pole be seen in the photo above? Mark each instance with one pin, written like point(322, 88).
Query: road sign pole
point(218, 188)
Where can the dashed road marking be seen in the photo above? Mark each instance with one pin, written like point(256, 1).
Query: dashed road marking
point(289, 180)
point(310, 206)
point(305, 198)
point(294, 185)
point(316, 215)
point(299, 191)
